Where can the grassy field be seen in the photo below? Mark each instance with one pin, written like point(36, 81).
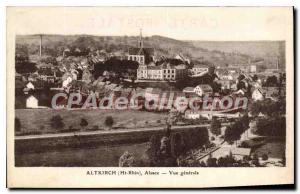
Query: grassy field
point(274, 149)
point(37, 121)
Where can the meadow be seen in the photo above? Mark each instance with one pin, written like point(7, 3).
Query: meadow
point(38, 121)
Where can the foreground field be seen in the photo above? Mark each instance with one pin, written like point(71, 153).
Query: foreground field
point(37, 121)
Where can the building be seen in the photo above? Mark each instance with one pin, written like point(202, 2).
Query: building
point(181, 71)
point(182, 58)
point(273, 93)
point(257, 94)
point(169, 71)
point(188, 90)
point(253, 69)
point(154, 73)
point(29, 85)
point(173, 73)
point(225, 83)
point(192, 114)
point(141, 54)
point(203, 89)
point(236, 152)
point(198, 69)
point(32, 102)
point(162, 72)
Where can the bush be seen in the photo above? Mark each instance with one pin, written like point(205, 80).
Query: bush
point(265, 157)
point(109, 121)
point(71, 129)
point(42, 128)
point(17, 124)
point(255, 160)
point(275, 126)
point(57, 122)
point(127, 160)
point(215, 126)
point(83, 123)
point(211, 162)
point(95, 128)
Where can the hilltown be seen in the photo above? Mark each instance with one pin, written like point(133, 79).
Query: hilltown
point(180, 103)
point(140, 71)
point(242, 102)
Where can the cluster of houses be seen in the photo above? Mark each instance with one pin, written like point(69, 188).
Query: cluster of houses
point(165, 71)
point(74, 73)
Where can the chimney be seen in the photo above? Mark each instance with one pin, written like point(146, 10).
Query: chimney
point(141, 39)
point(41, 45)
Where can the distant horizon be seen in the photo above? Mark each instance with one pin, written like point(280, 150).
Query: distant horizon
point(253, 48)
point(185, 40)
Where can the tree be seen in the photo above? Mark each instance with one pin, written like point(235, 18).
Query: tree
point(25, 67)
point(150, 157)
point(176, 144)
point(116, 66)
point(263, 68)
point(83, 123)
point(57, 122)
point(271, 81)
point(95, 128)
point(50, 60)
point(283, 159)
point(211, 162)
point(264, 157)
point(234, 131)
point(275, 126)
point(230, 135)
point(254, 77)
point(109, 121)
point(17, 124)
point(215, 126)
point(255, 160)
point(127, 160)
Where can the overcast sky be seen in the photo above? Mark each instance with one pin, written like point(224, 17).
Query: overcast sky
point(189, 23)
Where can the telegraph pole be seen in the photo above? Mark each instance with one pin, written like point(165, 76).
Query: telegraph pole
point(41, 44)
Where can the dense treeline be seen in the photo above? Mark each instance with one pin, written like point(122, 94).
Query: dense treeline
point(165, 150)
point(234, 131)
point(268, 107)
point(271, 127)
point(117, 66)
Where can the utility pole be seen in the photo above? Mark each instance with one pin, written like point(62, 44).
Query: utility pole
point(141, 39)
point(41, 44)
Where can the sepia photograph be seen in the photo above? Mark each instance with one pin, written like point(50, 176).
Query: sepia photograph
point(148, 87)
point(148, 101)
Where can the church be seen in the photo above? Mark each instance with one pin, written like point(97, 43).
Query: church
point(141, 54)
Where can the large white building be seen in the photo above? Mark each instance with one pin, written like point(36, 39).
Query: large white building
point(198, 69)
point(162, 72)
point(32, 102)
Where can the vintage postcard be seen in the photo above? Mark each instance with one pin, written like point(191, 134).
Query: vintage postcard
point(149, 97)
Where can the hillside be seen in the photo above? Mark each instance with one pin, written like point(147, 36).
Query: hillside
point(219, 53)
point(252, 48)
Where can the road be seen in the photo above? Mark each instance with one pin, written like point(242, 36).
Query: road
point(84, 133)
